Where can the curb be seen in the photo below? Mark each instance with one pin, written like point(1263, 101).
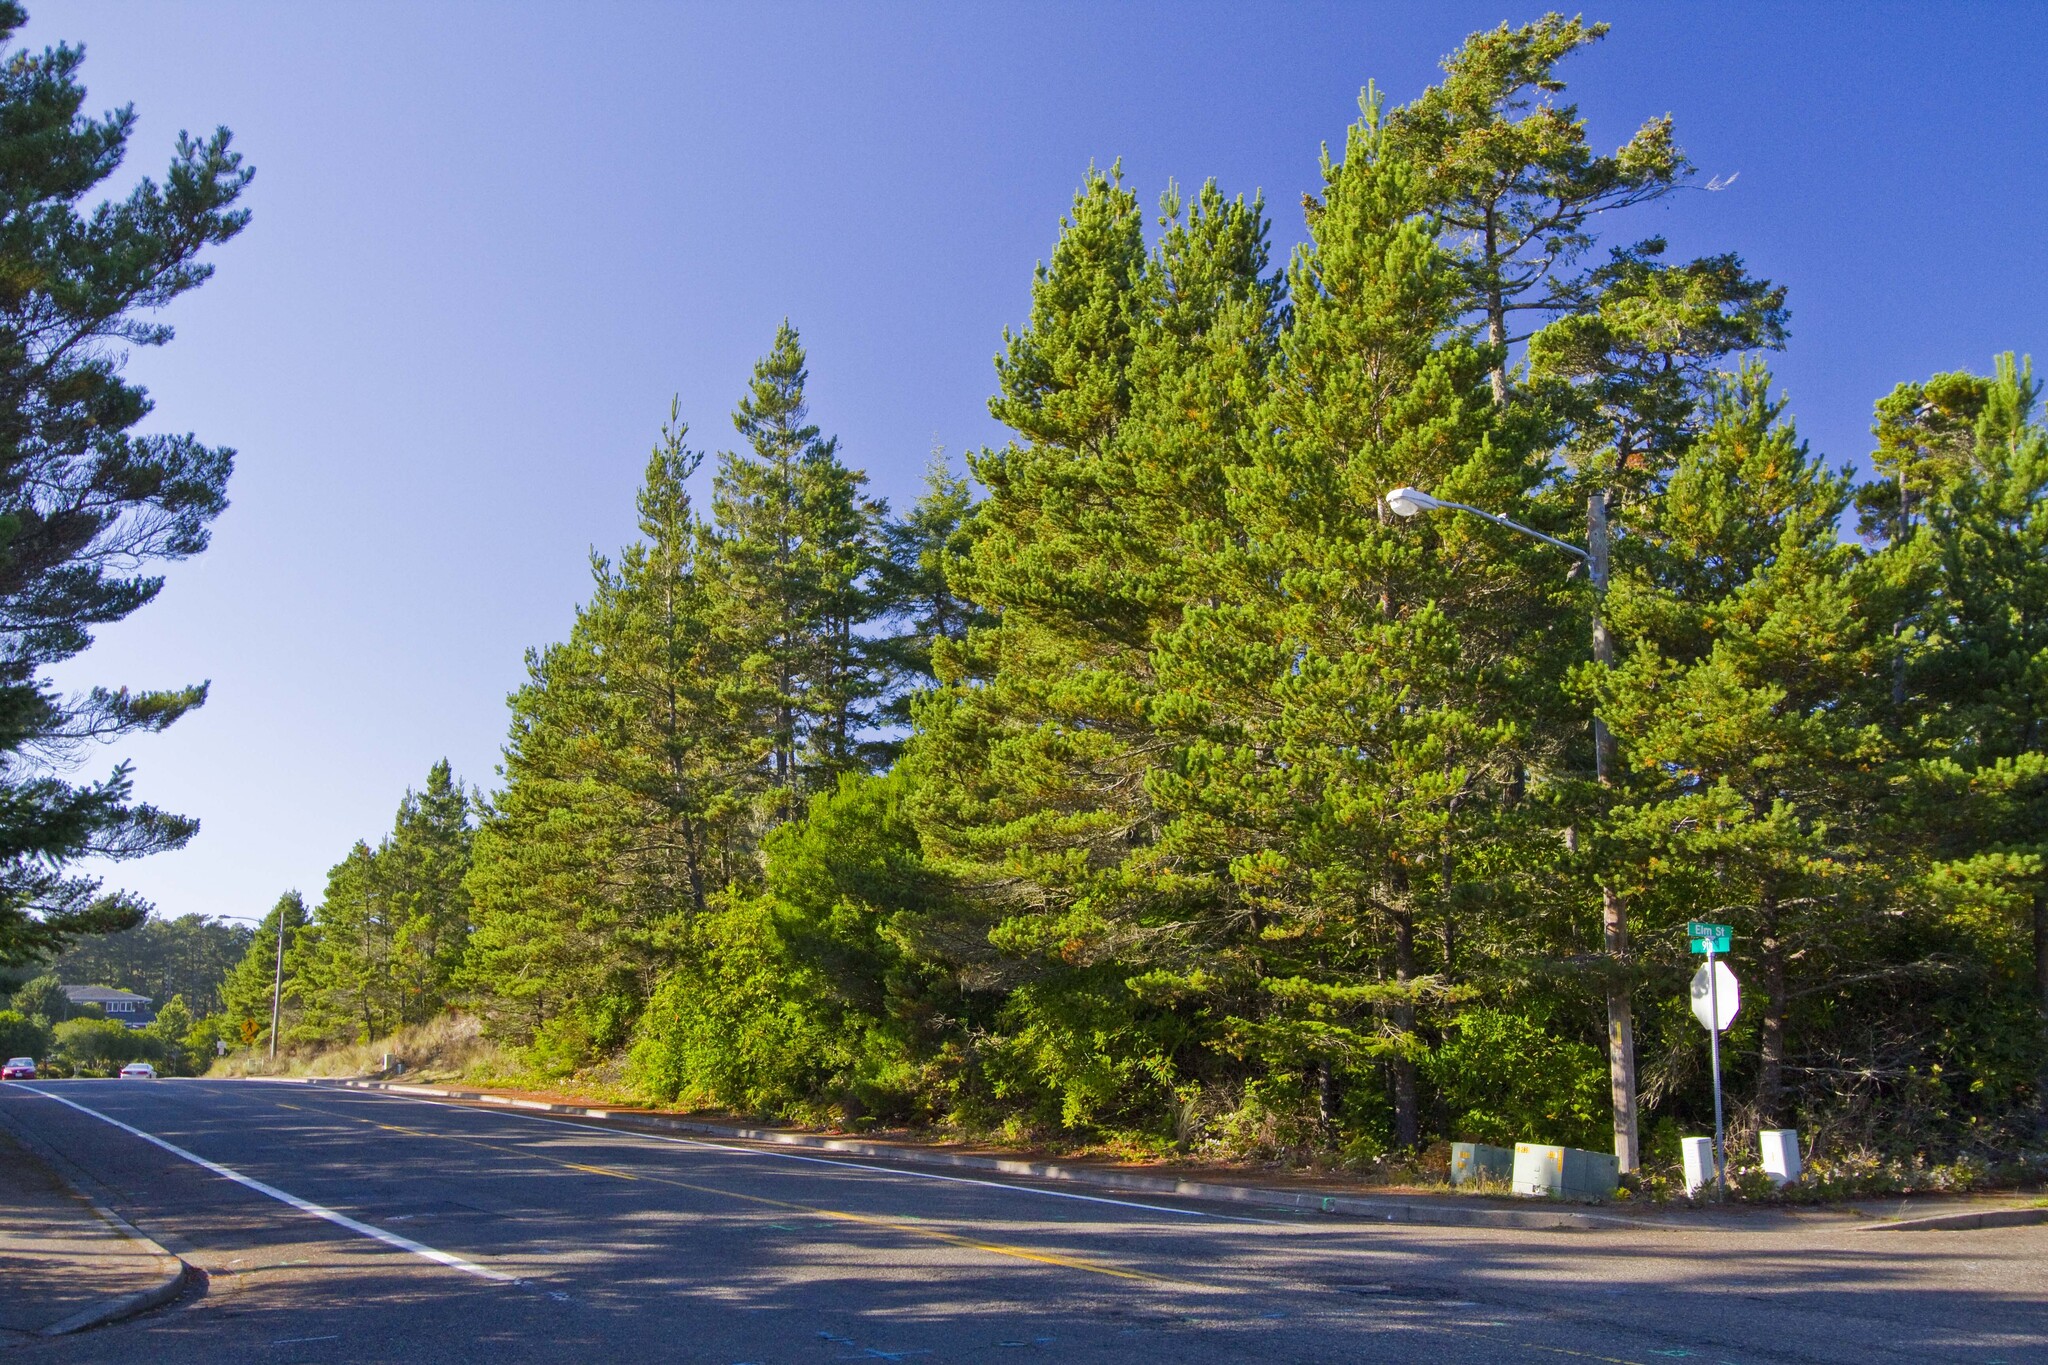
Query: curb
point(1356, 1206)
point(1962, 1222)
point(170, 1284)
point(172, 1272)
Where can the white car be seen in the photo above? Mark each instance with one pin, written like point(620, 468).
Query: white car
point(138, 1071)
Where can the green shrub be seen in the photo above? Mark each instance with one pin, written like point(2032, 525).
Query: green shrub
point(101, 1044)
point(21, 1036)
point(43, 997)
point(725, 1029)
point(1502, 1079)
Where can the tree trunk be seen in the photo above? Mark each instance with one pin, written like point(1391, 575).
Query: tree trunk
point(1621, 1035)
point(2041, 951)
point(1496, 314)
point(1450, 924)
point(1770, 1083)
point(2041, 990)
point(1407, 1116)
point(1901, 530)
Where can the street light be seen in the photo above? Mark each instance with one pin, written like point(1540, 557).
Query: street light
point(1621, 1036)
point(1408, 502)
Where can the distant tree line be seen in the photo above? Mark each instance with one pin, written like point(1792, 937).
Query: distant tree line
point(1165, 784)
point(161, 957)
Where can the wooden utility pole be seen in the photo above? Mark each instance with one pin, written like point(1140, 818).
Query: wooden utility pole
point(277, 984)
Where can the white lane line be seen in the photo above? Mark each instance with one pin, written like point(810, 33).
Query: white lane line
point(629, 1137)
point(355, 1225)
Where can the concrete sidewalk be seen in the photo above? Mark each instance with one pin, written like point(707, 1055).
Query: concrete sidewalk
point(65, 1263)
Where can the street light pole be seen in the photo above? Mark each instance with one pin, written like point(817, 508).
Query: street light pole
point(1621, 1033)
point(1621, 1025)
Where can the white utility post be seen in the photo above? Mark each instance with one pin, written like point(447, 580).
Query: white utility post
point(1621, 1033)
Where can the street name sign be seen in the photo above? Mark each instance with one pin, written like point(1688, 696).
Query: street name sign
point(1709, 938)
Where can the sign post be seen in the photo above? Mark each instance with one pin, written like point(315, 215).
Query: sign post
point(1715, 999)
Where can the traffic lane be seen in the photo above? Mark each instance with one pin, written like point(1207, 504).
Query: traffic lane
point(1559, 1289)
point(945, 1310)
point(268, 1277)
point(539, 1180)
point(1416, 1286)
point(1831, 1292)
point(932, 1304)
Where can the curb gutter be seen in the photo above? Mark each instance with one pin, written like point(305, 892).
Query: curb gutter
point(1962, 1222)
point(1357, 1206)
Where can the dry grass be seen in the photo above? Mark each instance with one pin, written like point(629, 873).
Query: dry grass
point(450, 1048)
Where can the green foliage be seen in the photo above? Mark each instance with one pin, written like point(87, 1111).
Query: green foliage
point(1501, 1078)
point(161, 958)
point(819, 996)
point(86, 504)
point(727, 1027)
point(172, 1027)
point(22, 1035)
point(246, 990)
point(99, 1045)
point(389, 934)
point(43, 998)
point(1240, 814)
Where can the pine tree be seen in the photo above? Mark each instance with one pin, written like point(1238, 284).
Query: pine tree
point(1342, 696)
point(246, 990)
point(85, 504)
point(423, 863)
point(343, 974)
point(632, 779)
point(1512, 185)
point(1129, 391)
point(1962, 506)
point(794, 552)
point(1744, 709)
point(1625, 381)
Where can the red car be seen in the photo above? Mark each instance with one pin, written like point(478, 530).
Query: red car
point(18, 1069)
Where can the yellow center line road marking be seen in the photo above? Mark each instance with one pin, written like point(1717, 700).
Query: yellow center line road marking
point(584, 1125)
point(841, 1215)
point(600, 1170)
point(420, 1249)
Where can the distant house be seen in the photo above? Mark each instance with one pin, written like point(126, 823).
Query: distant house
point(136, 1011)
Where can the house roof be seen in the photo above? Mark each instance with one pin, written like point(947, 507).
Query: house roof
point(100, 995)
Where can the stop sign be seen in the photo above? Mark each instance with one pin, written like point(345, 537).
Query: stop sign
point(1715, 1005)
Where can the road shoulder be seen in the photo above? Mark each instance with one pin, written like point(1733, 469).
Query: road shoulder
point(69, 1262)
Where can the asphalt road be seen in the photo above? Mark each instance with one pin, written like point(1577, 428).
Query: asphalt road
point(348, 1226)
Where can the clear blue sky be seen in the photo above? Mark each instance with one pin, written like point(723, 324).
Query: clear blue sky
point(492, 240)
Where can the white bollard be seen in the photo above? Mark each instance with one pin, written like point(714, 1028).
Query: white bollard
point(1699, 1163)
point(1781, 1154)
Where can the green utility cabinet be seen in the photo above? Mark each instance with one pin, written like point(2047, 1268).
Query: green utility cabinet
point(1566, 1172)
point(1472, 1161)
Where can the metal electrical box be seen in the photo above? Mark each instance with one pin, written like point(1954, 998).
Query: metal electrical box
point(1568, 1172)
point(1472, 1161)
